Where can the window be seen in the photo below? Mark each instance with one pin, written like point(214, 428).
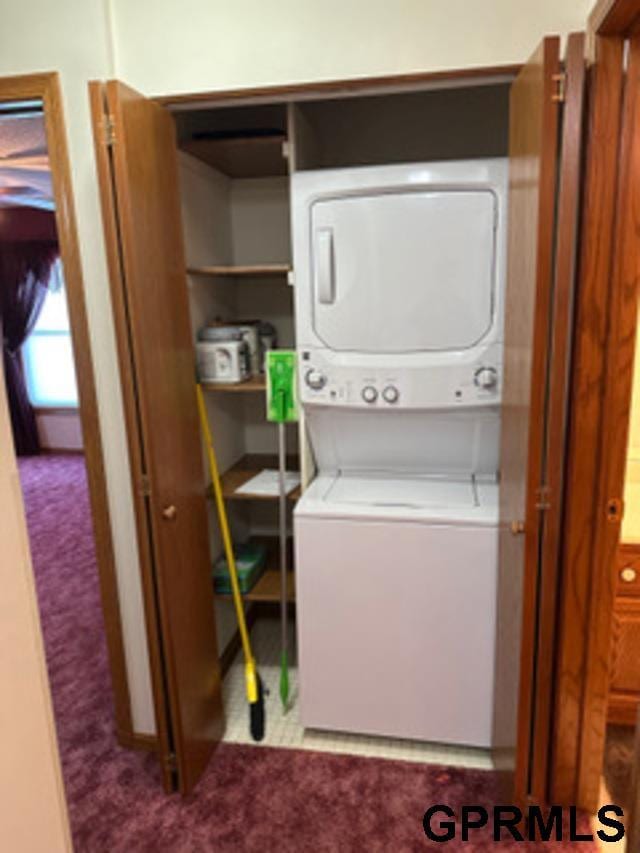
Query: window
point(47, 353)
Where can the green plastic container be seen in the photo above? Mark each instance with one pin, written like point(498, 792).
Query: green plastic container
point(250, 562)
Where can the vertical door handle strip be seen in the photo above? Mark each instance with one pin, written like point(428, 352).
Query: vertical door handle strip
point(325, 277)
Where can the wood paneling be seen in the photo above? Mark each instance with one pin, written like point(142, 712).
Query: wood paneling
point(47, 88)
point(586, 407)
point(620, 350)
point(532, 183)
point(153, 293)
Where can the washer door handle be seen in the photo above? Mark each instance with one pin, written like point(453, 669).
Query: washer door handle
point(325, 272)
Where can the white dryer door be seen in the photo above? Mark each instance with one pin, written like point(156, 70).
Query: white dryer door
point(404, 271)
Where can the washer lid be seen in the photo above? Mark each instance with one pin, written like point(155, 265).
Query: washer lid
point(403, 491)
point(372, 496)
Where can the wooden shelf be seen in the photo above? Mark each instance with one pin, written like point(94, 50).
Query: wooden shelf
point(267, 587)
point(253, 384)
point(242, 156)
point(246, 271)
point(246, 468)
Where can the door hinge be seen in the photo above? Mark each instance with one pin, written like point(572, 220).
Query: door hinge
point(170, 761)
point(109, 130)
point(543, 498)
point(615, 510)
point(144, 485)
point(560, 81)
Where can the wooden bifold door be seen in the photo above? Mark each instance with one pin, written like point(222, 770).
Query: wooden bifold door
point(545, 153)
point(137, 160)
point(137, 163)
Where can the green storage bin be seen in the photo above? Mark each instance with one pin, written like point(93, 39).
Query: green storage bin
point(251, 558)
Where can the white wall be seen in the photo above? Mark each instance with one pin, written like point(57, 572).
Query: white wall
point(33, 808)
point(165, 47)
point(72, 37)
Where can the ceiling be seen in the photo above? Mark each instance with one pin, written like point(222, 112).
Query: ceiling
point(25, 176)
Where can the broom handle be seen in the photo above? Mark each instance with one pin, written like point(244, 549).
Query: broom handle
point(282, 460)
point(224, 527)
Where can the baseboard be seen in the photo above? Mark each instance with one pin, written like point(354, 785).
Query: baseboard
point(131, 740)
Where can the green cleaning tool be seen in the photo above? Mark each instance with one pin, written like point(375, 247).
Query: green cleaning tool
point(253, 682)
point(282, 407)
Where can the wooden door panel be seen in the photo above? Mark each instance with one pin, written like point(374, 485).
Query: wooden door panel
point(622, 301)
point(532, 182)
point(543, 232)
point(583, 462)
point(149, 230)
point(559, 353)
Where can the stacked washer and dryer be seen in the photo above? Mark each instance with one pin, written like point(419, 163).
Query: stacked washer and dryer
point(400, 274)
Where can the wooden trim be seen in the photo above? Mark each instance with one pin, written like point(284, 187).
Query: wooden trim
point(141, 743)
point(46, 87)
point(134, 436)
point(619, 352)
point(56, 410)
point(585, 412)
point(614, 17)
point(344, 87)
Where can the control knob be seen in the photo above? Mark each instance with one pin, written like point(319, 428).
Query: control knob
point(486, 378)
point(390, 394)
point(315, 379)
point(369, 394)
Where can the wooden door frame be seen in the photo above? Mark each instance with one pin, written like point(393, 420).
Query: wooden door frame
point(599, 420)
point(45, 87)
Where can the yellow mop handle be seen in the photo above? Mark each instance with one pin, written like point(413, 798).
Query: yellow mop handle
point(250, 664)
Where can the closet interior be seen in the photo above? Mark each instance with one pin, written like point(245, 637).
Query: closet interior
point(236, 162)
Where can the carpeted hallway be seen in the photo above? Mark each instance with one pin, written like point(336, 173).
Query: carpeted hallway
point(251, 799)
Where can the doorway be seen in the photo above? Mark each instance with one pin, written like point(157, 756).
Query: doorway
point(52, 403)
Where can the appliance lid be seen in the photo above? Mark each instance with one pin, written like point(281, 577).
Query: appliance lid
point(404, 270)
point(378, 490)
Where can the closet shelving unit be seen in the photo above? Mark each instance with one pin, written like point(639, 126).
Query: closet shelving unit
point(243, 273)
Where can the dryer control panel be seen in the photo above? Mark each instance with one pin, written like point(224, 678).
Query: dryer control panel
point(475, 382)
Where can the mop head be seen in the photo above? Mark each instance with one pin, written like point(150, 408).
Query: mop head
point(256, 714)
point(284, 681)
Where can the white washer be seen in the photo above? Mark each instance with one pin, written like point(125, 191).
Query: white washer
point(399, 274)
point(395, 581)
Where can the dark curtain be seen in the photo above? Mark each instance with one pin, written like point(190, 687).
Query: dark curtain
point(25, 270)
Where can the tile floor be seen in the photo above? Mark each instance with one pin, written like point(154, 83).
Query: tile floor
point(285, 730)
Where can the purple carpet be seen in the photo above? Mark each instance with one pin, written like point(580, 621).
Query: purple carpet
point(251, 799)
